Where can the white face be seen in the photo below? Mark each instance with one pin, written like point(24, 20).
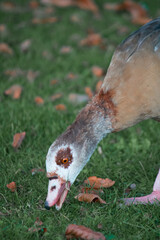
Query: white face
point(63, 165)
point(66, 171)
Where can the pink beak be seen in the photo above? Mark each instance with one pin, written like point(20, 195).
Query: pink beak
point(57, 192)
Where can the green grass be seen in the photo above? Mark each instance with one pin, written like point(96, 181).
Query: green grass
point(131, 156)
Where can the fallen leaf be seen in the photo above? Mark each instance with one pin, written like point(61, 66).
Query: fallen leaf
point(31, 75)
point(138, 13)
point(97, 183)
point(34, 4)
point(7, 6)
point(77, 98)
point(25, 45)
point(65, 49)
point(89, 92)
point(59, 3)
point(93, 39)
point(84, 4)
point(37, 170)
point(71, 76)
point(12, 186)
point(87, 5)
point(44, 20)
point(3, 29)
point(13, 73)
point(54, 81)
point(4, 48)
point(15, 91)
point(60, 107)
point(90, 190)
point(98, 85)
point(38, 100)
point(74, 231)
point(97, 71)
point(56, 96)
point(18, 139)
point(89, 197)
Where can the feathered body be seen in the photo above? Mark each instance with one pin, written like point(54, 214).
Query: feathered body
point(129, 94)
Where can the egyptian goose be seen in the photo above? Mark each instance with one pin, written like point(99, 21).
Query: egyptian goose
point(129, 94)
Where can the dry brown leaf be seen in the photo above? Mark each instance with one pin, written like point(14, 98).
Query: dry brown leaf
point(25, 45)
point(4, 48)
point(84, 4)
point(18, 139)
point(93, 39)
point(60, 107)
point(97, 183)
point(89, 92)
point(97, 71)
point(7, 6)
point(14, 91)
point(71, 76)
point(44, 20)
point(3, 28)
point(90, 190)
point(34, 4)
point(13, 73)
point(87, 5)
point(65, 49)
point(56, 96)
point(89, 197)
point(138, 13)
point(59, 3)
point(82, 232)
point(54, 81)
point(12, 186)
point(98, 85)
point(38, 100)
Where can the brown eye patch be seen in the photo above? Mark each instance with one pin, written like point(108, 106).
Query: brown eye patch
point(64, 157)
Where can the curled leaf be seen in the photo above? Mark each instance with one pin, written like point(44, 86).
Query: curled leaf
point(65, 49)
point(88, 91)
point(91, 190)
point(93, 39)
point(97, 71)
point(18, 139)
point(89, 197)
point(138, 13)
point(60, 107)
point(74, 231)
point(44, 20)
point(39, 100)
point(56, 96)
point(97, 183)
point(14, 91)
point(12, 186)
point(4, 48)
point(98, 85)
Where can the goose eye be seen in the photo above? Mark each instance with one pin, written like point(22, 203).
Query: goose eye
point(65, 160)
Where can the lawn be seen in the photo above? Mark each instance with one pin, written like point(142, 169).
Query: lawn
point(130, 156)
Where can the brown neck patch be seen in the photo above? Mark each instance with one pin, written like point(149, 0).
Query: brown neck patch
point(105, 102)
point(64, 154)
